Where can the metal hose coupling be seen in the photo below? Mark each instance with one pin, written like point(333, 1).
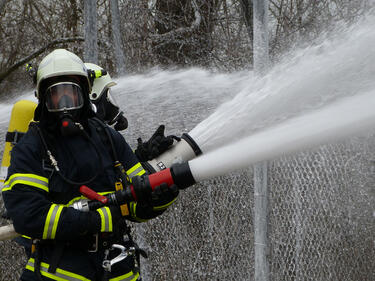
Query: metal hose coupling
point(182, 151)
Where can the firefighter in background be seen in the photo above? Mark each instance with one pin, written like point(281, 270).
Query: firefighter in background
point(64, 149)
point(106, 107)
point(109, 112)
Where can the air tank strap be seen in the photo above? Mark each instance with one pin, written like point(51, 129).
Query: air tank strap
point(13, 137)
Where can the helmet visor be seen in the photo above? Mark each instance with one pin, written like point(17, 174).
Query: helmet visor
point(110, 99)
point(64, 96)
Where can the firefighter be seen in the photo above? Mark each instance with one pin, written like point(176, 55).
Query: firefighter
point(109, 112)
point(65, 148)
point(106, 107)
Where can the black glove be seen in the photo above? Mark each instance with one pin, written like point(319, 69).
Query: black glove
point(121, 123)
point(155, 146)
point(156, 202)
point(164, 195)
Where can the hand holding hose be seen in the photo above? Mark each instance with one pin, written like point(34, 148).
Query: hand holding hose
point(155, 146)
point(179, 174)
point(141, 190)
point(177, 177)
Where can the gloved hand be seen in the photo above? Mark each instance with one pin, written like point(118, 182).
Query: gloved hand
point(121, 123)
point(156, 145)
point(159, 198)
point(163, 196)
point(155, 203)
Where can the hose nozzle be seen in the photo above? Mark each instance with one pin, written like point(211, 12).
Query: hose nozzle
point(182, 151)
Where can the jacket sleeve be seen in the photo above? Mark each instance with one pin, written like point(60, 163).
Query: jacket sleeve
point(26, 198)
point(137, 212)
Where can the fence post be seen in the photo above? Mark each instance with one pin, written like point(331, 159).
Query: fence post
point(261, 244)
point(261, 192)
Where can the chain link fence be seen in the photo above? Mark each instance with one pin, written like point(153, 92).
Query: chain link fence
point(321, 221)
point(321, 213)
point(321, 218)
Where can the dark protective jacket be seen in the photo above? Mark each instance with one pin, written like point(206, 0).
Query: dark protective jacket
point(38, 199)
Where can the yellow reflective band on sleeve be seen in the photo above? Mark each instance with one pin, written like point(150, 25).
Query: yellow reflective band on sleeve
point(59, 275)
point(27, 179)
point(136, 170)
point(130, 276)
point(106, 219)
point(133, 207)
point(52, 220)
point(163, 207)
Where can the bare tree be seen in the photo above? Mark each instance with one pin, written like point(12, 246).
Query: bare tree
point(247, 9)
point(213, 33)
point(183, 31)
point(91, 32)
point(22, 61)
point(116, 35)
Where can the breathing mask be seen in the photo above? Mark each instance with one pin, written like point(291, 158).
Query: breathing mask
point(64, 99)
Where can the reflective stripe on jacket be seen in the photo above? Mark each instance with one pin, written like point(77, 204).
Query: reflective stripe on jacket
point(64, 275)
point(37, 201)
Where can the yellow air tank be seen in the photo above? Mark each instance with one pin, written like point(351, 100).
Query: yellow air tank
point(22, 114)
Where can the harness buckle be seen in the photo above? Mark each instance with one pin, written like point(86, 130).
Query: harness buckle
point(14, 137)
point(125, 252)
point(17, 137)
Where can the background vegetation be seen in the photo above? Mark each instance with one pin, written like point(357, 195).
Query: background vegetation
point(215, 34)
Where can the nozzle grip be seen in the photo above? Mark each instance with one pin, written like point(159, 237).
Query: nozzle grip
point(92, 195)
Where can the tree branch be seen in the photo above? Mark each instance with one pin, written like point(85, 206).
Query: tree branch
point(182, 30)
point(21, 62)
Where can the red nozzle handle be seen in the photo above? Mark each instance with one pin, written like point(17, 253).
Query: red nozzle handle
point(152, 181)
point(92, 195)
point(164, 176)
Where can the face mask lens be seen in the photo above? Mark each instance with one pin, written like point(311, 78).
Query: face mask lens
point(64, 96)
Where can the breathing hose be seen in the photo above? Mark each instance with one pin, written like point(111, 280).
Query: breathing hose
point(54, 162)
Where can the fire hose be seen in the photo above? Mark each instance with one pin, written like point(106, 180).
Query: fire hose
point(178, 174)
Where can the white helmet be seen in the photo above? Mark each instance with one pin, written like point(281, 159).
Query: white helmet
point(62, 70)
point(60, 62)
point(101, 83)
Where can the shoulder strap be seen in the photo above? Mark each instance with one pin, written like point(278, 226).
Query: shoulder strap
point(106, 136)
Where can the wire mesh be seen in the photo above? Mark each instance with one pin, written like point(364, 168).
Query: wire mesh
point(321, 216)
point(321, 222)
